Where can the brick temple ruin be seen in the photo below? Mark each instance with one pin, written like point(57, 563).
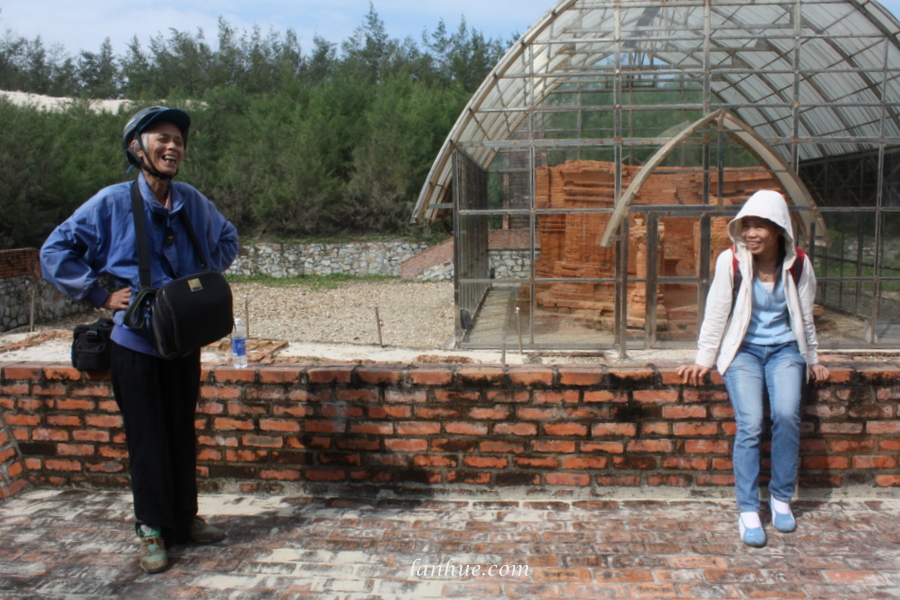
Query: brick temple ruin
point(570, 243)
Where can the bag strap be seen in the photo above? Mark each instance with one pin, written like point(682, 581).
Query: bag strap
point(140, 235)
point(134, 316)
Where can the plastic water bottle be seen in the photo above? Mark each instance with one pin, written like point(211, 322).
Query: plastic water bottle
point(239, 344)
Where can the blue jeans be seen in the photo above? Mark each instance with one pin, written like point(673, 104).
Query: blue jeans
point(781, 370)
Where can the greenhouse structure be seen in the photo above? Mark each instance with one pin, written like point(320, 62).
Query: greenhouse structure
point(590, 177)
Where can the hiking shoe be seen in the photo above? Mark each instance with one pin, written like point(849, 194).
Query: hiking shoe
point(204, 533)
point(154, 557)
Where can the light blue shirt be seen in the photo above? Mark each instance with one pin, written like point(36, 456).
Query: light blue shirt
point(98, 239)
point(769, 320)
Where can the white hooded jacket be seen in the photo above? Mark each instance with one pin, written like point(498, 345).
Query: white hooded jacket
point(721, 336)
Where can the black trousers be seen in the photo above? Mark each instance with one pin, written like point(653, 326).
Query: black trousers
point(158, 401)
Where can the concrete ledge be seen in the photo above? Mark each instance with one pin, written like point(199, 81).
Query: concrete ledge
point(372, 428)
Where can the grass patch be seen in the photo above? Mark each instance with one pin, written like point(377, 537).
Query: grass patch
point(312, 282)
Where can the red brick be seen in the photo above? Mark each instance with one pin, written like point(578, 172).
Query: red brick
point(262, 441)
point(608, 447)
point(390, 412)
point(569, 479)
point(655, 396)
point(405, 396)
point(684, 462)
point(278, 425)
point(23, 420)
point(684, 412)
point(526, 413)
point(539, 463)
point(355, 396)
point(426, 460)
point(209, 454)
point(232, 375)
point(269, 393)
point(54, 464)
point(632, 375)
point(440, 413)
point(228, 424)
point(62, 373)
point(280, 374)
point(486, 462)
point(324, 426)
point(56, 389)
point(430, 376)
point(342, 411)
point(655, 429)
point(553, 446)
point(380, 374)
point(659, 446)
point(531, 375)
point(614, 430)
point(372, 427)
point(49, 435)
point(582, 575)
point(402, 445)
point(22, 371)
point(883, 427)
point(692, 429)
point(605, 396)
point(854, 446)
point(15, 389)
point(493, 413)
point(519, 429)
point(64, 420)
point(556, 397)
point(707, 447)
point(565, 429)
point(481, 375)
point(578, 463)
point(580, 376)
point(841, 428)
point(501, 447)
point(103, 421)
point(75, 449)
point(330, 374)
point(418, 428)
point(98, 391)
point(874, 462)
point(460, 428)
point(80, 405)
point(825, 462)
point(887, 480)
point(280, 474)
point(292, 410)
point(324, 475)
point(104, 467)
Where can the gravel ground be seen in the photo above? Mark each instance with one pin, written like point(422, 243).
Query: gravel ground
point(412, 314)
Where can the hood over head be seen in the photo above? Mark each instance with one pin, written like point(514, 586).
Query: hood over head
point(769, 205)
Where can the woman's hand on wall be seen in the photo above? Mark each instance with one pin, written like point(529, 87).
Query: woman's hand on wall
point(819, 372)
point(692, 374)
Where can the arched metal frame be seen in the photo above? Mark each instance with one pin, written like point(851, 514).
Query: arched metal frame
point(810, 88)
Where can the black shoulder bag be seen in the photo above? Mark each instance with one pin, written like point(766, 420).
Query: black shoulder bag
point(186, 313)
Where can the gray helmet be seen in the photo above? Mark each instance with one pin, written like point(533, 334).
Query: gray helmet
point(139, 122)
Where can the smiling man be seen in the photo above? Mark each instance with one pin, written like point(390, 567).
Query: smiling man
point(157, 397)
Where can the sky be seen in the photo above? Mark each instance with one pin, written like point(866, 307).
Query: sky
point(80, 26)
point(76, 26)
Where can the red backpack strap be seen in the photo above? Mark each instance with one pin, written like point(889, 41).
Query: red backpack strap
point(797, 267)
point(736, 278)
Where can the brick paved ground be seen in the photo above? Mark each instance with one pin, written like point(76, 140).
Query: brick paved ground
point(73, 544)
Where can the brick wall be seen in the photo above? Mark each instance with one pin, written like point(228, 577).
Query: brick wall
point(421, 429)
point(23, 261)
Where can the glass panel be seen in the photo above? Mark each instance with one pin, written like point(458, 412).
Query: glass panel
point(677, 318)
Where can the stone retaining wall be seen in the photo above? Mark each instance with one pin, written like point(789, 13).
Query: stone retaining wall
point(352, 258)
point(424, 429)
point(20, 283)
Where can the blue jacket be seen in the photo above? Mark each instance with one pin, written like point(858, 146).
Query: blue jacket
point(99, 239)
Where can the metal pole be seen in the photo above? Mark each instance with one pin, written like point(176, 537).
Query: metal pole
point(519, 327)
point(378, 325)
point(247, 313)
